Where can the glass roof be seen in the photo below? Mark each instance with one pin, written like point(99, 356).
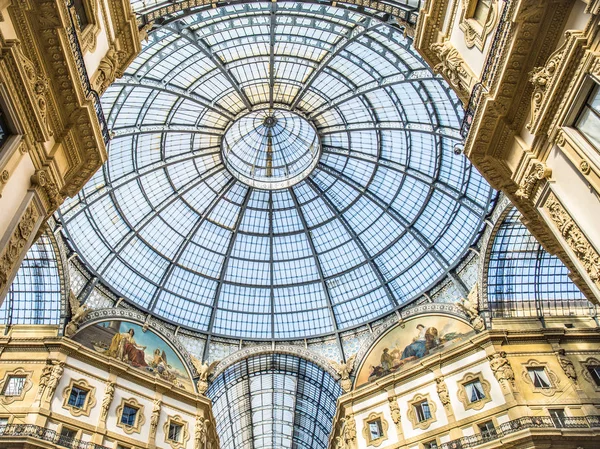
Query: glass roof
point(274, 401)
point(270, 148)
point(385, 213)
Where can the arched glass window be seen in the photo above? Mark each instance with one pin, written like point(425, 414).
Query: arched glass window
point(525, 280)
point(34, 296)
point(274, 401)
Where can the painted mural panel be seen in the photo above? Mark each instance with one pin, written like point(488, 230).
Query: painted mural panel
point(145, 351)
point(420, 337)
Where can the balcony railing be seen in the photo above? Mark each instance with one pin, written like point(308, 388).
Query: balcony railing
point(83, 75)
point(500, 38)
point(41, 433)
point(529, 422)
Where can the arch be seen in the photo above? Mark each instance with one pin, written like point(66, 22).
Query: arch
point(38, 294)
point(522, 279)
point(279, 398)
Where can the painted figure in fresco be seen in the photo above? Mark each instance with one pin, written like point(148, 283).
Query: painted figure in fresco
point(425, 341)
point(387, 361)
point(123, 347)
point(159, 361)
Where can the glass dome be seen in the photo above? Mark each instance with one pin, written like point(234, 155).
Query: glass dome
point(270, 148)
point(386, 212)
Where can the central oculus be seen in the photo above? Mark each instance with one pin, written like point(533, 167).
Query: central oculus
point(271, 148)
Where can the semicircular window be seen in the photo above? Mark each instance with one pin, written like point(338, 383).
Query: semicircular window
point(525, 280)
point(34, 296)
point(274, 401)
point(220, 210)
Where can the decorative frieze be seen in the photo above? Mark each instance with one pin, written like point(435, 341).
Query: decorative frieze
point(538, 171)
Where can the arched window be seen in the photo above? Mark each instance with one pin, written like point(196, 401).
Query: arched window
point(274, 400)
point(525, 280)
point(34, 296)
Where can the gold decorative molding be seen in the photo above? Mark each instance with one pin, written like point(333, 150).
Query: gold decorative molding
point(552, 377)
point(412, 414)
point(395, 412)
point(90, 399)
point(585, 372)
point(18, 372)
point(501, 368)
point(185, 434)
point(537, 172)
point(139, 416)
point(476, 33)
point(17, 244)
point(462, 392)
point(577, 242)
point(349, 431)
point(453, 68)
point(367, 432)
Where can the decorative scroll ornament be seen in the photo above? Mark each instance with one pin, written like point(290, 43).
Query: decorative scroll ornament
point(78, 311)
point(471, 308)
point(567, 365)
point(452, 65)
point(108, 70)
point(343, 370)
point(204, 371)
point(501, 368)
point(41, 178)
point(537, 172)
point(442, 391)
point(575, 238)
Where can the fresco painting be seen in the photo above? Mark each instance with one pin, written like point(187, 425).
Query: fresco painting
point(145, 351)
point(420, 337)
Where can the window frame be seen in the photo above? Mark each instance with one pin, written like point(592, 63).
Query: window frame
point(463, 395)
point(139, 417)
point(553, 379)
point(383, 426)
point(89, 401)
point(27, 384)
point(487, 434)
point(185, 434)
point(418, 400)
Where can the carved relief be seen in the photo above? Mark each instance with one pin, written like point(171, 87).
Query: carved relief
point(442, 391)
point(502, 370)
point(201, 432)
point(471, 308)
point(567, 365)
point(78, 311)
point(109, 393)
point(476, 32)
point(349, 432)
point(55, 374)
point(343, 370)
point(452, 66)
point(204, 371)
point(538, 171)
point(108, 70)
point(395, 412)
point(42, 179)
point(575, 239)
point(154, 418)
point(17, 243)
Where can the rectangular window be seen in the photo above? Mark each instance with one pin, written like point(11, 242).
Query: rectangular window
point(538, 377)
point(487, 429)
point(375, 429)
point(67, 437)
point(588, 119)
point(128, 415)
point(81, 14)
point(77, 397)
point(474, 391)
point(422, 410)
point(482, 11)
point(174, 432)
point(558, 416)
point(430, 445)
point(594, 371)
point(14, 386)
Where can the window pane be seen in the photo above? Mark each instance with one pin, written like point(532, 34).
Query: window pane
point(595, 373)
point(588, 123)
point(474, 391)
point(128, 415)
point(539, 377)
point(174, 432)
point(14, 386)
point(77, 397)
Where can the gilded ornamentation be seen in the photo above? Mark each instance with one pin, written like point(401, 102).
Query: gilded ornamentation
point(41, 178)
point(476, 33)
point(442, 391)
point(567, 365)
point(4, 177)
point(78, 311)
point(574, 238)
point(470, 306)
point(204, 371)
point(343, 370)
point(537, 172)
point(154, 418)
point(108, 70)
point(17, 243)
point(109, 393)
point(585, 168)
point(452, 66)
point(501, 368)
